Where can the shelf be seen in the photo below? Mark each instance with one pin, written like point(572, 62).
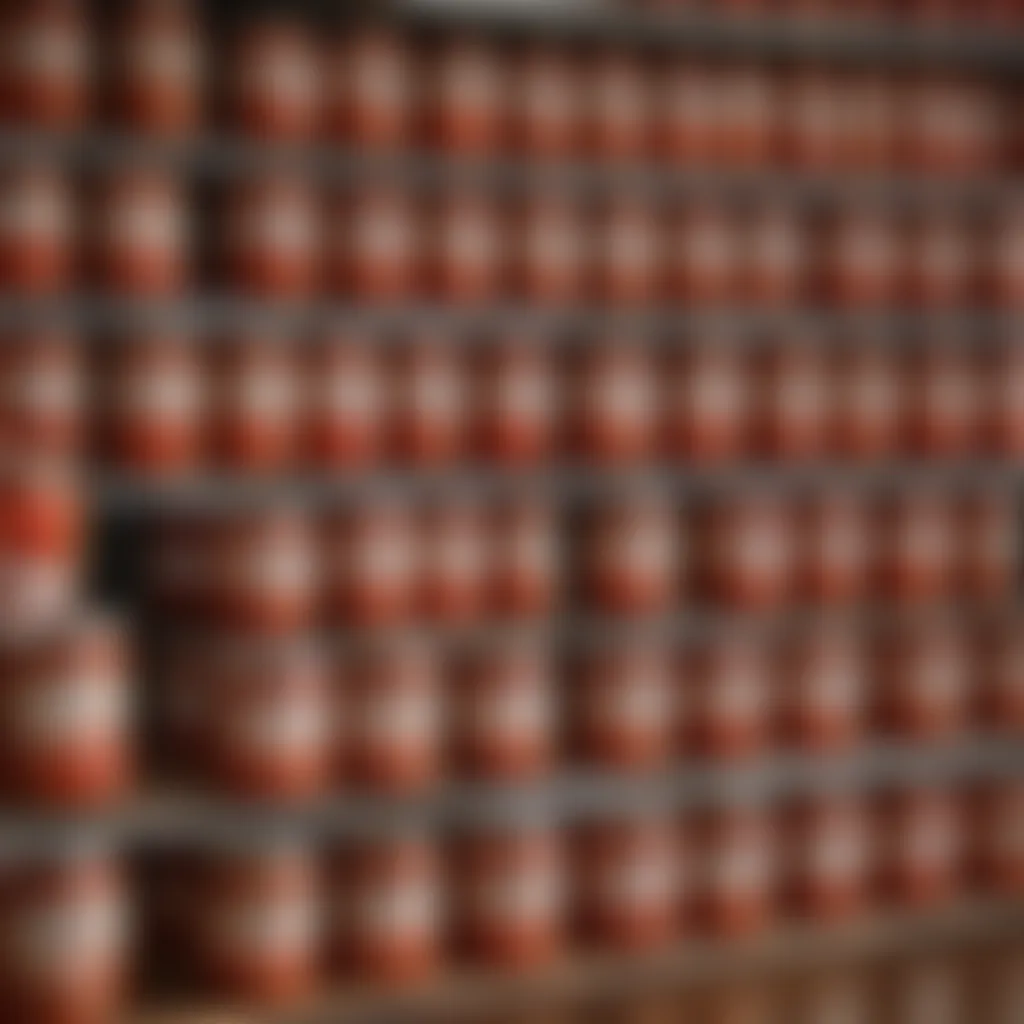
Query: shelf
point(216, 158)
point(215, 313)
point(172, 819)
point(594, 978)
point(567, 484)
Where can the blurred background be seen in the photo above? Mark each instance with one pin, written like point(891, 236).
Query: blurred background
point(511, 512)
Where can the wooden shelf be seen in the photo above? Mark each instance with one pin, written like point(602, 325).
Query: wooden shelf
point(168, 819)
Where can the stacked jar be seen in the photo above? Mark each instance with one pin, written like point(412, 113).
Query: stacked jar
point(253, 705)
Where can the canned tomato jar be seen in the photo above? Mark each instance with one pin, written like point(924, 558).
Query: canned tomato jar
point(516, 402)
point(613, 402)
point(989, 526)
point(632, 557)
point(272, 238)
point(625, 703)
point(42, 394)
point(867, 394)
point(834, 548)
point(43, 521)
point(45, 63)
point(376, 249)
point(371, 564)
point(792, 400)
point(925, 683)
point(998, 659)
point(728, 696)
point(255, 921)
point(616, 105)
point(430, 401)
point(466, 96)
point(396, 720)
point(65, 714)
point(920, 846)
point(252, 403)
point(736, 865)
point(705, 401)
point(549, 261)
point(386, 909)
point(510, 896)
point(345, 413)
point(64, 937)
point(273, 81)
point(525, 572)
point(944, 400)
point(456, 561)
point(829, 865)
point(261, 573)
point(628, 882)
point(748, 559)
point(545, 116)
point(157, 72)
point(152, 415)
point(995, 812)
point(504, 712)
point(823, 678)
point(916, 546)
point(370, 81)
point(266, 729)
point(140, 235)
point(38, 231)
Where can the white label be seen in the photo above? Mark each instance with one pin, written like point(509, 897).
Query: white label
point(282, 227)
point(469, 81)
point(837, 855)
point(397, 911)
point(35, 212)
point(620, 395)
point(47, 51)
point(469, 241)
point(643, 549)
point(738, 871)
point(282, 727)
point(258, 393)
point(930, 842)
point(549, 243)
point(635, 703)
point(382, 236)
point(145, 225)
point(756, 550)
point(286, 79)
point(382, 559)
point(736, 695)
point(709, 248)
point(520, 897)
point(161, 394)
point(619, 97)
point(434, 394)
point(54, 937)
point(284, 571)
point(630, 247)
point(161, 58)
point(457, 555)
point(349, 395)
point(648, 880)
point(405, 720)
point(377, 79)
point(266, 929)
point(43, 391)
point(510, 713)
point(56, 712)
